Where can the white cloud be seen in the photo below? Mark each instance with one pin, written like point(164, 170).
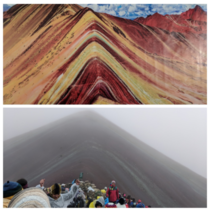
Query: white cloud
point(103, 9)
point(112, 13)
point(142, 6)
point(112, 6)
point(121, 13)
point(95, 7)
point(132, 8)
point(140, 13)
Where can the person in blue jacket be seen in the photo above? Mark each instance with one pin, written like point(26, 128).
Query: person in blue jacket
point(131, 203)
point(140, 204)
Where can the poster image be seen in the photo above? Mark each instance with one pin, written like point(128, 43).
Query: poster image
point(105, 54)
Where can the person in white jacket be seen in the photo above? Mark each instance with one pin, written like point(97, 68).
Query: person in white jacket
point(41, 184)
point(121, 203)
point(58, 200)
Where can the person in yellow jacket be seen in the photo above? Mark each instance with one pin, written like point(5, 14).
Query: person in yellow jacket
point(98, 203)
point(9, 190)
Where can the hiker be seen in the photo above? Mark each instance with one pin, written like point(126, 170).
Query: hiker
point(41, 184)
point(75, 181)
point(112, 192)
point(121, 203)
point(132, 203)
point(63, 187)
point(67, 189)
point(58, 200)
point(78, 200)
point(140, 204)
point(9, 190)
point(120, 196)
point(128, 198)
point(88, 202)
point(100, 203)
point(148, 206)
point(124, 195)
point(23, 183)
point(97, 203)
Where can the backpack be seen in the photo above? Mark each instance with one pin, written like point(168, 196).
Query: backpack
point(106, 200)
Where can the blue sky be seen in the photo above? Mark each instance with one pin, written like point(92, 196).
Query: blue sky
point(132, 11)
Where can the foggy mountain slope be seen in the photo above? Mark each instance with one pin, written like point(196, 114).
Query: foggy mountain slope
point(86, 142)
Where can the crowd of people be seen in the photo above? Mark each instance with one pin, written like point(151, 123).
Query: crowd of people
point(19, 194)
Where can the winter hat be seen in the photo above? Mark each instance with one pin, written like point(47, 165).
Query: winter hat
point(122, 201)
point(113, 181)
point(139, 201)
point(56, 189)
point(23, 183)
point(11, 188)
point(103, 191)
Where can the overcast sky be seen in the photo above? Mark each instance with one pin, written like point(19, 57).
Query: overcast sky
point(179, 133)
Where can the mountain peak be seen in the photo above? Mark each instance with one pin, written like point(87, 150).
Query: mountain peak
point(195, 14)
point(197, 7)
point(157, 14)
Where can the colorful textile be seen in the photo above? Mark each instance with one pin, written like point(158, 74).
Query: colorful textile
point(11, 188)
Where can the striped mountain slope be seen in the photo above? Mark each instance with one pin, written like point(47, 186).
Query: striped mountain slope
point(65, 54)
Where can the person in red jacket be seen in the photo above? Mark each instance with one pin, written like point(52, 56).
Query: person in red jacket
point(112, 192)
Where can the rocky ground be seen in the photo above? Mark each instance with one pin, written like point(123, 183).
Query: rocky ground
point(84, 185)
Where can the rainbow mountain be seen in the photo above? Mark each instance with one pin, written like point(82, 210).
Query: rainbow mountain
point(67, 54)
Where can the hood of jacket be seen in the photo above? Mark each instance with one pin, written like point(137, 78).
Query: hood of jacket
point(101, 200)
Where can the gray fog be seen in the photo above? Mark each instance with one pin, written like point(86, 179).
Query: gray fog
point(179, 133)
